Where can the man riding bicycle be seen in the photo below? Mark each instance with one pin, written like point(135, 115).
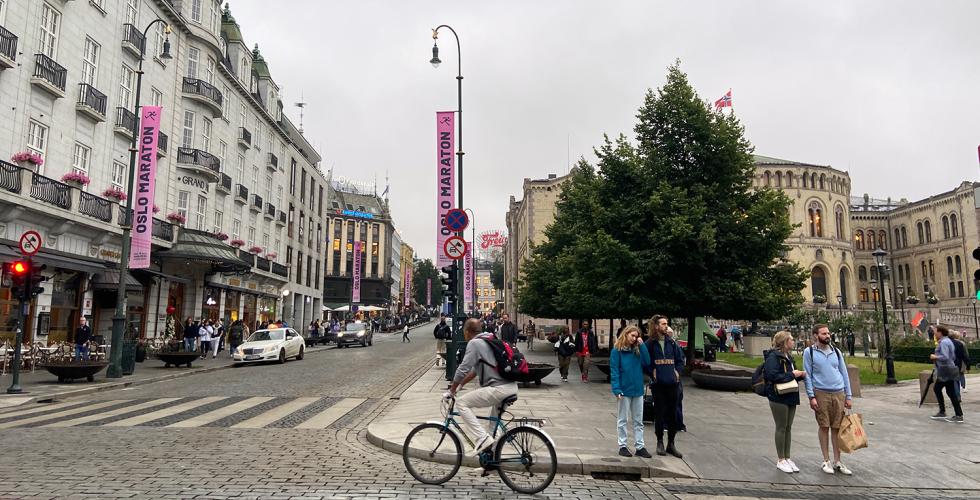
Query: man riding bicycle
point(479, 361)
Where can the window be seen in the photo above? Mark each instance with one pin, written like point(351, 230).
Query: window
point(952, 289)
point(242, 114)
point(218, 217)
point(862, 273)
point(858, 240)
point(251, 236)
point(205, 134)
point(222, 153)
point(822, 179)
point(80, 158)
point(279, 197)
point(3, 11)
point(236, 229)
point(127, 81)
point(898, 239)
point(209, 70)
point(258, 134)
point(202, 210)
point(872, 244)
point(882, 237)
point(905, 238)
point(268, 186)
point(954, 226)
point(159, 36)
point(212, 17)
point(945, 227)
point(918, 226)
point(50, 19)
point(839, 221)
point(255, 178)
point(768, 178)
point(959, 288)
point(193, 58)
point(37, 137)
point(183, 200)
point(299, 267)
point(959, 266)
point(949, 266)
point(244, 70)
point(132, 11)
point(928, 232)
point(789, 179)
point(187, 133)
point(265, 242)
point(932, 272)
point(814, 214)
point(241, 169)
point(118, 176)
point(901, 275)
point(226, 102)
point(196, 10)
point(90, 62)
point(156, 97)
point(779, 179)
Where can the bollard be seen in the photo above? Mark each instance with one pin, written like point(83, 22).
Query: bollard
point(923, 380)
point(854, 376)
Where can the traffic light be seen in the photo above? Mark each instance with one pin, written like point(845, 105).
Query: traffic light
point(449, 282)
point(17, 271)
point(976, 274)
point(36, 278)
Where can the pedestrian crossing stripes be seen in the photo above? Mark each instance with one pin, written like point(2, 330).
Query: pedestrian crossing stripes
point(188, 413)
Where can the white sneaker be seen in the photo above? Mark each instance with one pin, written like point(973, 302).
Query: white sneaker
point(784, 466)
point(842, 468)
point(826, 467)
point(481, 445)
point(793, 465)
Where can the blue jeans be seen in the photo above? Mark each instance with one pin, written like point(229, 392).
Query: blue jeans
point(189, 344)
point(80, 350)
point(630, 408)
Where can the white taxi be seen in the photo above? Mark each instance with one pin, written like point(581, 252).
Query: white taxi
point(274, 344)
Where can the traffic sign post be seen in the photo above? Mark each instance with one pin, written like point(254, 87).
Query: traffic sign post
point(24, 299)
point(454, 248)
point(457, 220)
point(30, 242)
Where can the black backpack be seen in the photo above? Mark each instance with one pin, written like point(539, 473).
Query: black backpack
point(511, 364)
point(759, 384)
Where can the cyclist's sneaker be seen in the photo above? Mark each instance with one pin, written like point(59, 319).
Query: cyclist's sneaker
point(482, 444)
point(624, 452)
point(643, 453)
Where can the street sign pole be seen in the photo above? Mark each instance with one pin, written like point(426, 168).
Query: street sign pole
point(19, 330)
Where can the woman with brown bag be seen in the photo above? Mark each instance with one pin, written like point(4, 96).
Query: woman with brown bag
point(783, 392)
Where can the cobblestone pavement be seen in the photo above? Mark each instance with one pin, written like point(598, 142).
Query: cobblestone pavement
point(212, 458)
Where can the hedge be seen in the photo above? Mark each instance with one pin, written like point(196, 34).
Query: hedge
point(921, 354)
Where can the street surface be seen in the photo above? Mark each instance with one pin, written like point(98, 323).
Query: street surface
point(280, 431)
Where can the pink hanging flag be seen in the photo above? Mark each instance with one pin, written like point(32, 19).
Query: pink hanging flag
point(356, 286)
point(143, 185)
point(408, 286)
point(445, 180)
point(428, 292)
point(468, 279)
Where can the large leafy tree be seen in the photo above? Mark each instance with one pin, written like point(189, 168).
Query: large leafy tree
point(667, 224)
point(424, 271)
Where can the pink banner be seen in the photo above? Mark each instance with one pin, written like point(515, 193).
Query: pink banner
point(356, 286)
point(468, 288)
point(144, 184)
point(445, 180)
point(408, 286)
point(428, 292)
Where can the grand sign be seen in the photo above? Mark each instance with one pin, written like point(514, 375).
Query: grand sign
point(491, 239)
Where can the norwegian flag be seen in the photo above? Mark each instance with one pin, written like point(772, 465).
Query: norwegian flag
point(725, 101)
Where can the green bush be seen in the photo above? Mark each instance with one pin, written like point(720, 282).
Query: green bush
point(914, 340)
point(920, 354)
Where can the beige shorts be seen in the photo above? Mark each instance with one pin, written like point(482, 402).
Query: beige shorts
point(830, 408)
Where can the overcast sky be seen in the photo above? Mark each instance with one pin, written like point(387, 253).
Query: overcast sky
point(881, 89)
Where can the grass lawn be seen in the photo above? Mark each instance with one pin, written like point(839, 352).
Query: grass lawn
point(904, 370)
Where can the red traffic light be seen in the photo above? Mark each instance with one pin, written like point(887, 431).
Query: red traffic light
point(18, 267)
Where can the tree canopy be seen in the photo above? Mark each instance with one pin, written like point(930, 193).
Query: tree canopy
point(424, 271)
point(668, 223)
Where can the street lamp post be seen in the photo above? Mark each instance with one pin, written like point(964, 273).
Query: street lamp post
point(900, 289)
point(114, 369)
point(879, 256)
point(976, 326)
point(457, 339)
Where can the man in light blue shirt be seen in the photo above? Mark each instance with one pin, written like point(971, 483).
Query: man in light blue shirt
point(829, 390)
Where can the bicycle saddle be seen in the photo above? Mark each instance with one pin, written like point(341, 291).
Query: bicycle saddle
point(509, 400)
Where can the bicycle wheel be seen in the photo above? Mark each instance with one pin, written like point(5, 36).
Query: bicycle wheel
point(432, 453)
point(527, 460)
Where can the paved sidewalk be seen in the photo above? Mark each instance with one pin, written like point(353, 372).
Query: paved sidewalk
point(730, 434)
point(41, 385)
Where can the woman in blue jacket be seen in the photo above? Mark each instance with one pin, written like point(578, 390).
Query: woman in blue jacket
point(779, 369)
point(628, 362)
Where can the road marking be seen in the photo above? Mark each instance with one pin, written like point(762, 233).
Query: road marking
point(330, 415)
point(73, 411)
point(275, 414)
point(166, 412)
point(40, 408)
point(220, 413)
point(112, 413)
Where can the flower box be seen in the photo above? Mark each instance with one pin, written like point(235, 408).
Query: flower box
point(271, 255)
point(221, 236)
point(176, 218)
point(27, 157)
point(819, 299)
point(255, 250)
point(155, 208)
point(237, 243)
point(75, 178)
point(114, 193)
point(912, 299)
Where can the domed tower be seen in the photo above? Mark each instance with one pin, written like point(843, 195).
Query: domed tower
point(820, 209)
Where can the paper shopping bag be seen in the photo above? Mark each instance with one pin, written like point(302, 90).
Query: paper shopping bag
point(851, 433)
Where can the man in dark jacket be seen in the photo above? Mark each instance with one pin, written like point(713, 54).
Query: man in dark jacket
point(191, 333)
point(667, 359)
point(82, 335)
point(236, 336)
point(442, 331)
point(508, 331)
point(588, 345)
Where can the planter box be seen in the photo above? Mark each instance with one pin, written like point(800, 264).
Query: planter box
point(68, 372)
point(177, 358)
point(723, 380)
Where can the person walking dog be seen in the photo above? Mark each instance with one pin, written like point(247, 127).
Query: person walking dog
point(783, 400)
point(628, 361)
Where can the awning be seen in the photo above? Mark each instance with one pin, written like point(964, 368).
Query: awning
point(108, 279)
point(158, 274)
point(240, 289)
point(53, 260)
point(200, 246)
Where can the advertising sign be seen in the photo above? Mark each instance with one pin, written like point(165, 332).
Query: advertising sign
point(356, 286)
point(468, 287)
point(143, 186)
point(445, 179)
point(408, 286)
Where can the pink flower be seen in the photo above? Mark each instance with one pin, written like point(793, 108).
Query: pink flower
point(237, 243)
point(255, 249)
point(29, 157)
point(155, 208)
point(176, 218)
point(271, 255)
point(114, 193)
point(76, 177)
point(221, 236)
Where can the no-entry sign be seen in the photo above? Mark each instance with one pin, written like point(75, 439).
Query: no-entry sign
point(457, 220)
point(454, 248)
point(30, 242)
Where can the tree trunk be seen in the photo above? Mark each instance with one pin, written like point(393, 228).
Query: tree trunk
point(690, 342)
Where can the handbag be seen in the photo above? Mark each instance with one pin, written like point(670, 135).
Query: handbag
point(787, 387)
point(851, 434)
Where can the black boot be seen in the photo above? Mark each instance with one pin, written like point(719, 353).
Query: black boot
point(673, 451)
point(660, 448)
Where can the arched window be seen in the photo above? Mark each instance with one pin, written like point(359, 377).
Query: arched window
point(804, 179)
point(872, 244)
point(779, 179)
point(818, 282)
point(822, 179)
point(767, 177)
point(882, 240)
point(843, 286)
point(901, 275)
point(859, 239)
point(954, 226)
point(813, 180)
point(928, 232)
point(945, 227)
point(874, 273)
point(839, 221)
point(908, 273)
point(862, 273)
point(905, 238)
point(959, 266)
point(918, 227)
point(898, 239)
point(789, 179)
point(815, 219)
point(949, 265)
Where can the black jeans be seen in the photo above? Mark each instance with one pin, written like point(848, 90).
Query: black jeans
point(954, 395)
point(665, 409)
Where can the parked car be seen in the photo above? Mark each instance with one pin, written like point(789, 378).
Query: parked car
point(276, 344)
point(355, 333)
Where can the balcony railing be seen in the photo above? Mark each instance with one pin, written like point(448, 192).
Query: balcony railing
point(204, 89)
point(49, 71)
point(10, 177)
point(162, 143)
point(200, 158)
point(273, 161)
point(242, 193)
point(163, 230)
point(262, 263)
point(95, 206)
point(246, 256)
point(90, 97)
point(225, 183)
point(279, 269)
point(8, 44)
point(282, 217)
point(257, 202)
point(125, 121)
point(244, 136)
point(50, 191)
point(270, 210)
point(134, 37)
